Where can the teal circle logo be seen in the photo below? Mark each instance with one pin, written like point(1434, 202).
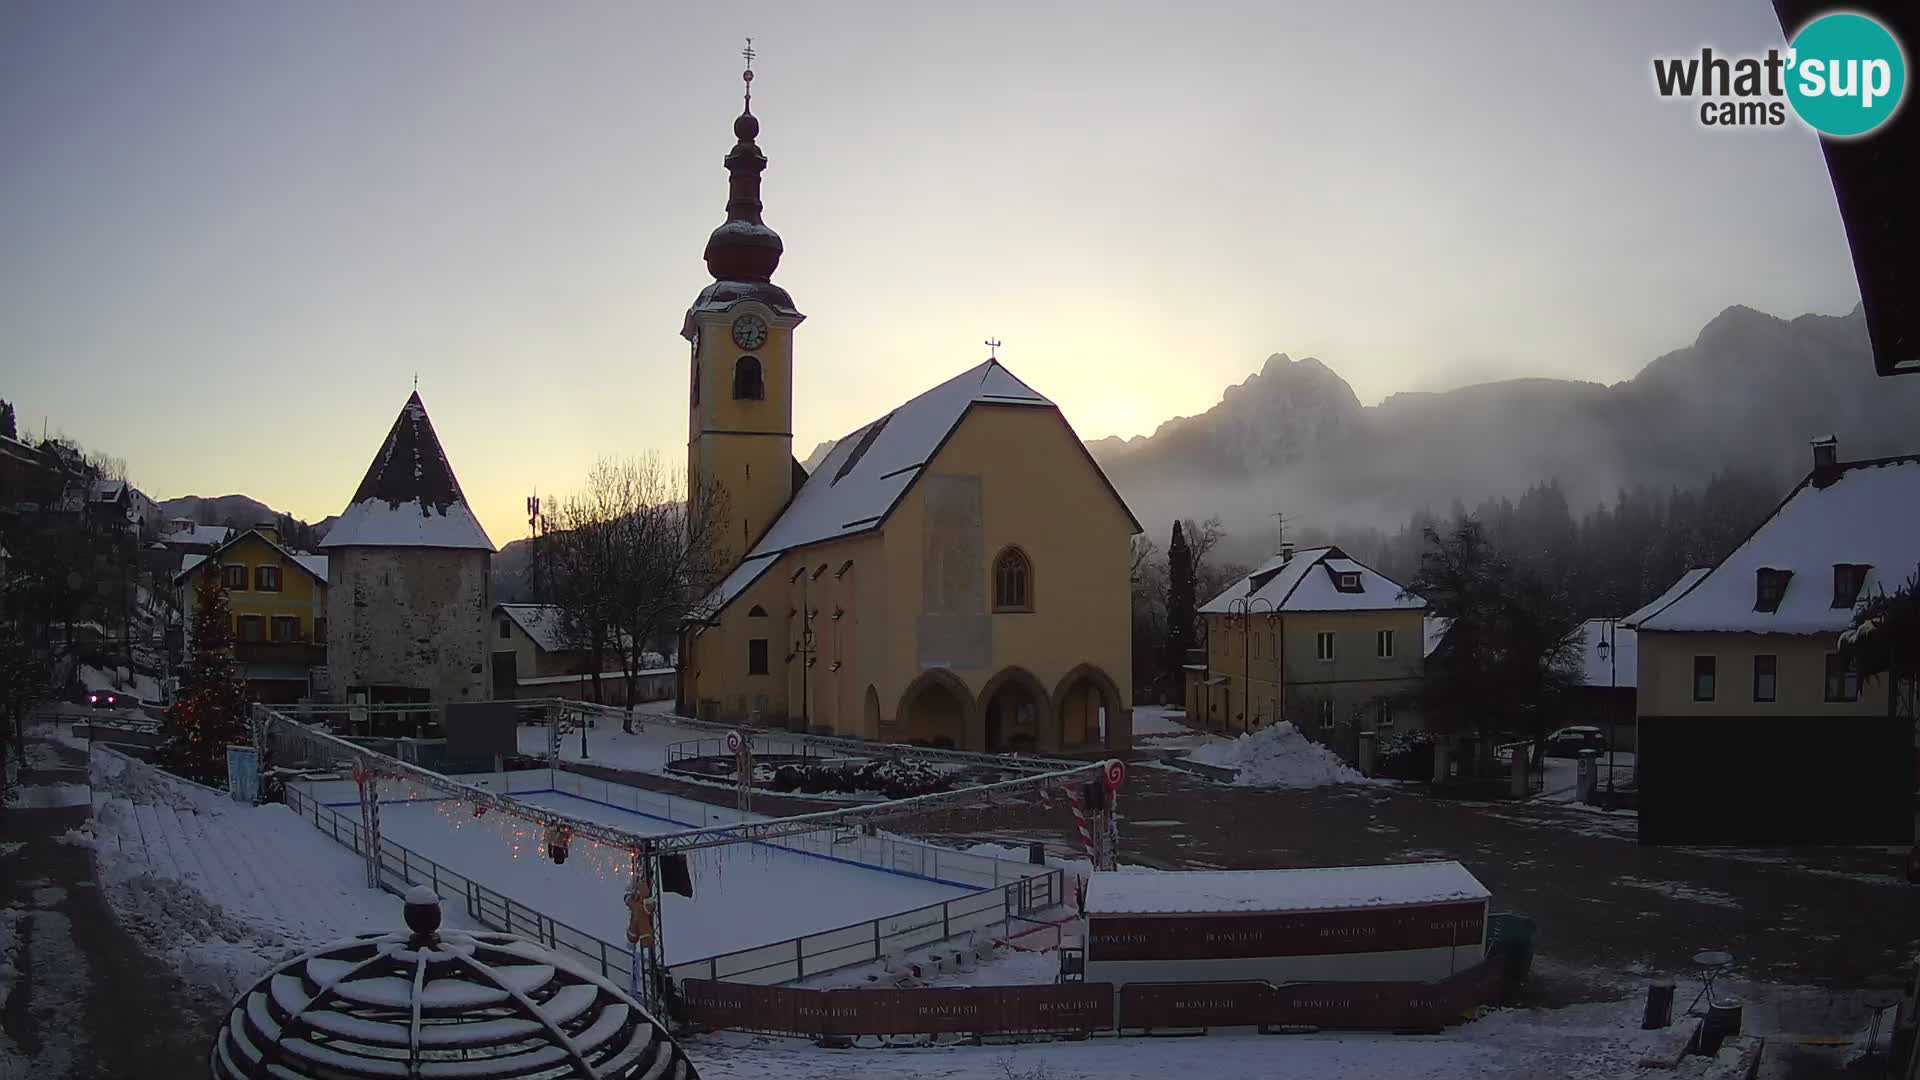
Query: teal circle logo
point(1846, 74)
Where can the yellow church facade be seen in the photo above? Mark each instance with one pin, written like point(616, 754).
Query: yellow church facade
point(955, 573)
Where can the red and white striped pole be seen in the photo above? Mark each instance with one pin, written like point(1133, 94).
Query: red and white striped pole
point(1080, 827)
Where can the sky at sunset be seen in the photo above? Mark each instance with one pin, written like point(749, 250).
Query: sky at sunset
point(232, 233)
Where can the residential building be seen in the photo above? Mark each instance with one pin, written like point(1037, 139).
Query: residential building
point(1753, 728)
point(278, 600)
point(1316, 638)
point(410, 571)
point(954, 573)
point(534, 656)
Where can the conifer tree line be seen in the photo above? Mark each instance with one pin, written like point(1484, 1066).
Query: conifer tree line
point(1600, 562)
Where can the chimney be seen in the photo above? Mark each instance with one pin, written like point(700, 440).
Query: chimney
point(1826, 460)
point(1286, 551)
point(269, 529)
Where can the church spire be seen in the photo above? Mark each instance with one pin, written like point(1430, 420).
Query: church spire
point(743, 248)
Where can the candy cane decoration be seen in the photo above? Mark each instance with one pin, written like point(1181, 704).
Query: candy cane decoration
point(1080, 827)
point(369, 785)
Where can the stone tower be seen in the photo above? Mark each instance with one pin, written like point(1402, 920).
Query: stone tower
point(740, 422)
point(409, 578)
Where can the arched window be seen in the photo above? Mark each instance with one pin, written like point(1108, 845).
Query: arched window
point(747, 383)
point(756, 612)
point(1012, 581)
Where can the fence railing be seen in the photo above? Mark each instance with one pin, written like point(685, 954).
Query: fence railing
point(763, 746)
point(1004, 894)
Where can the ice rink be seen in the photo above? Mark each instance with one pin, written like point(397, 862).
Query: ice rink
point(744, 894)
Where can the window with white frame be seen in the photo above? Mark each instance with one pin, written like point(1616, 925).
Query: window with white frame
point(1383, 644)
point(1323, 645)
point(1383, 714)
point(1326, 715)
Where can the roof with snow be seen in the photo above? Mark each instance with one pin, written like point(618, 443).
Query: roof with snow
point(1434, 632)
point(199, 534)
point(1867, 515)
point(312, 564)
point(107, 490)
point(1619, 665)
point(866, 473)
point(409, 497)
point(1320, 888)
point(544, 623)
point(444, 1004)
point(1673, 591)
point(1309, 580)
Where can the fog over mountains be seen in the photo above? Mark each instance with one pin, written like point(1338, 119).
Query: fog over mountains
point(1293, 438)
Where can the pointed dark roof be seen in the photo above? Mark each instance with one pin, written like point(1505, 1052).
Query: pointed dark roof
point(409, 497)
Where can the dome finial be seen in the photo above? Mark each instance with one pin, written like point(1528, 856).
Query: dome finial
point(747, 75)
point(743, 248)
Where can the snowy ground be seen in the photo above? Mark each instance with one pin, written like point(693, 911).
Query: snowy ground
point(743, 894)
point(222, 890)
point(144, 687)
point(1152, 721)
point(1277, 756)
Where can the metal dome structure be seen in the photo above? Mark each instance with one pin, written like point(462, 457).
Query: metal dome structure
point(456, 1005)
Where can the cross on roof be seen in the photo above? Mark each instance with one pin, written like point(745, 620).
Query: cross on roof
point(994, 349)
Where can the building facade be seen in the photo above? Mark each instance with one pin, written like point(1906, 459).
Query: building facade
point(410, 579)
point(278, 598)
point(1754, 727)
point(954, 573)
point(1315, 638)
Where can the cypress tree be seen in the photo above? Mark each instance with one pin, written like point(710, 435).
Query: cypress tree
point(1180, 600)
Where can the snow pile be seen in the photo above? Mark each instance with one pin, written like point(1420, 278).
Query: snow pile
point(223, 891)
point(1278, 756)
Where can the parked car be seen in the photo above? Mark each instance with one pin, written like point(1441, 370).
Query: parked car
point(110, 699)
point(1569, 741)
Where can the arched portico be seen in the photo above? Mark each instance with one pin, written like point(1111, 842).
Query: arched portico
point(935, 709)
point(1015, 713)
point(1077, 700)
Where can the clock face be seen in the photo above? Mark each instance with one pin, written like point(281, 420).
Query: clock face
point(749, 331)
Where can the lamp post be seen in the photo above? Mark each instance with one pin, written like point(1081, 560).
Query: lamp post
point(1241, 609)
point(1611, 654)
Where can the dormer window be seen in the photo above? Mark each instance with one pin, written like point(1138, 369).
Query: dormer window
point(1770, 586)
point(1848, 579)
point(1349, 583)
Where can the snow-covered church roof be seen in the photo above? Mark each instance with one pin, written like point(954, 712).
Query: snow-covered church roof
point(1309, 580)
point(409, 497)
point(1867, 515)
point(867, 472)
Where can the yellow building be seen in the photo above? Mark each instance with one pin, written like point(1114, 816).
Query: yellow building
point(1754, 728)
point(279, 603)
point(1316, 638)
point(954, 573)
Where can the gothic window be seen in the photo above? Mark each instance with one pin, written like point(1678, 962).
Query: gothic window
point(747, 384)
point(1012, 581)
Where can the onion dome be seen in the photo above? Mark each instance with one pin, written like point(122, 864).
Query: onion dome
point(440, 1004)
point(743, 248)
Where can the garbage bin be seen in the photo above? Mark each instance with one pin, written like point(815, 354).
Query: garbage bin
point(1510, 937)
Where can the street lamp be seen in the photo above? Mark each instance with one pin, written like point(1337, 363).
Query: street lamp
point(1241, 609)
point(1611, 654)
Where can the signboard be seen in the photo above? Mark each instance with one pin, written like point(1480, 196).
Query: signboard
point(1299, 933)
point(243, 774)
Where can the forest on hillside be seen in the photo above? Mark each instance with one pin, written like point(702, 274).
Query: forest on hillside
point(1604, 562)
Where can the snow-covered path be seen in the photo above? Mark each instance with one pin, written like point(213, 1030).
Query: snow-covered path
point(223, 890)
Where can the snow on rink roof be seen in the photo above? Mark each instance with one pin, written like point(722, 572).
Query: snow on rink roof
point(1869, 515)
point(1320, 888)
point(866, 472)
point(1303, 583)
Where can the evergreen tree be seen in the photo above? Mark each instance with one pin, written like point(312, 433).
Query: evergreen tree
point(211, 713)
point(8, 426)
point(1180, 600)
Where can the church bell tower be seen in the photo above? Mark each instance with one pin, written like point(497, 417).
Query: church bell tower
point(740, 414)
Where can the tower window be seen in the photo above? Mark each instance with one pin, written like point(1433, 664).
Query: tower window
point(757, 656)
point(695, 392)
point(1012, 581)
point(747, 384)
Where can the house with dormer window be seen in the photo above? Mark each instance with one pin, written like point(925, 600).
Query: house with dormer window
point(1753, 727)
point(1314, 637)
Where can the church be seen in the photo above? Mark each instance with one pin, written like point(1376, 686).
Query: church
point(955, 573)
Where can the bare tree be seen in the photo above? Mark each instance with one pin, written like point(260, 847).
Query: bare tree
point(633, 556)
point(1203, 537)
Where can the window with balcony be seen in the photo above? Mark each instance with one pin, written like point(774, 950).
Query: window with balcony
point(249, 627)
point(283, 629)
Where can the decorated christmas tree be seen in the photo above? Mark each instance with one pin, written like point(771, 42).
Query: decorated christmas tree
point(211, 712)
